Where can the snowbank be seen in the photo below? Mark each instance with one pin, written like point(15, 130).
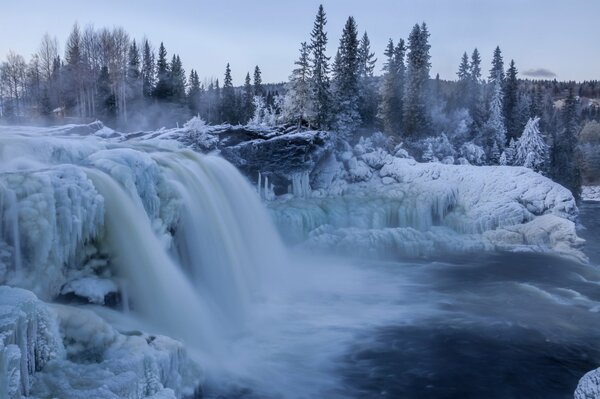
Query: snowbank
point(365, 198)
point(590, 193)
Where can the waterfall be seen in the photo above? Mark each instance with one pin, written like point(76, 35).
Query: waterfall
point(225, 248)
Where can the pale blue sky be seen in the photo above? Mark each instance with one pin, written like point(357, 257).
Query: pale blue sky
point(558, 35)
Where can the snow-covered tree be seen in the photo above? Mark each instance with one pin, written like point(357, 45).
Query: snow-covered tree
point(298, 106)
point(416, 117)
point(367, 84)
point(495, 128)
point(346, 80)
point(392, 89)
point(321, 94)
point(531, 149)
point(497, 70)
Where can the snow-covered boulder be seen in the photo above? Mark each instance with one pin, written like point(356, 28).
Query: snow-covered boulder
point(589, 386)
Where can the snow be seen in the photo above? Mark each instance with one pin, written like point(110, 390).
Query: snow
point(91, 287)
point(589, 386)
point(590, 193)
point(412, 207)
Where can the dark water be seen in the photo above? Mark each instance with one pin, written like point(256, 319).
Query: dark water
point(485, 326)
point(509, 326)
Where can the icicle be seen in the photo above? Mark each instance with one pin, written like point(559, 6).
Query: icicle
point(258, 187)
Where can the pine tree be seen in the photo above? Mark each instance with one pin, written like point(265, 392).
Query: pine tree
point(298, 107)
point(497, 71)
point(510, 101)
point(565, 168)
point(258, 86)
point(162, 90)
point(495, 128)
point(347, 80)
point(106, 104)
point(228, 108)
point(476, 109)
point(194, 93)
point(392, 89)
point(134, 75)
point(247, 99)
point(148, 77)
point(531, 151)
point(321, 95)
point(367, 88)
point(464, 79)
point(177, 80)
point(416, 118)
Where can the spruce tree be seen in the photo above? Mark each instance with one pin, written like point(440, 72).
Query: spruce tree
point(565, 168)
point(531, 151)
point(194, 93)
point(228, 106)
point(416, 118)
point(162, 90)
point(106, 104)
point(392, 89)
point(367, 90)
point(177, 80)
point(347, 80)
point(495, 128)
point(247, 99)
point(258, 86)
point(321, 95)
point(475, 93)
point(134, 75)
point(148, 78)
point(297, 106)
point(497, 71)
point(511, 87)
point(463, 85)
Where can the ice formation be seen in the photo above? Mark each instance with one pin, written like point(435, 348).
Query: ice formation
point(141, 223)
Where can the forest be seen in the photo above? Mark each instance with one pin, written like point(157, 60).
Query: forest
point(480, 118)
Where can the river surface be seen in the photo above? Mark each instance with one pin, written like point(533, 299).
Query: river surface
point(503, 325)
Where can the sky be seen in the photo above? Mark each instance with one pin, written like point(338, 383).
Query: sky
point(547, 38)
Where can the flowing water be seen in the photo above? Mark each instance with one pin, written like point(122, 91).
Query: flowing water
point(490, 326)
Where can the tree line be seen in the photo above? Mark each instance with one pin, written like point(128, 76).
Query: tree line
point(494, 119)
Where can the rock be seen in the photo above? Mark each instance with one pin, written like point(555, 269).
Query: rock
point(589, 386)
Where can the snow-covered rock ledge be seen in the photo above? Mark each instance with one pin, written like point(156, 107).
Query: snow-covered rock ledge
point(366, 201)
point(57, 351)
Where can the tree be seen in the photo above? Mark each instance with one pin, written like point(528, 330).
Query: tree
point(531, 151)
point(392, 89)
point(148, 77)
point(416, 118)
point(177, 80)
point(347, 80)
point(497, 70)
point(475, 92)
point(247, 99)
point(321, 95)
point(511, 87)
point(298, 107)
point(228, 108)
point(134, 75)
point(194, 93)
point(162, 90)
point(565, 169)
point(495, 129)
point(106, 101)
point(464, 79)
point(367, 86)
point(258, 86)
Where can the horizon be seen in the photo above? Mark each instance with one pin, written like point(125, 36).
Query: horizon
point(206, 45)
